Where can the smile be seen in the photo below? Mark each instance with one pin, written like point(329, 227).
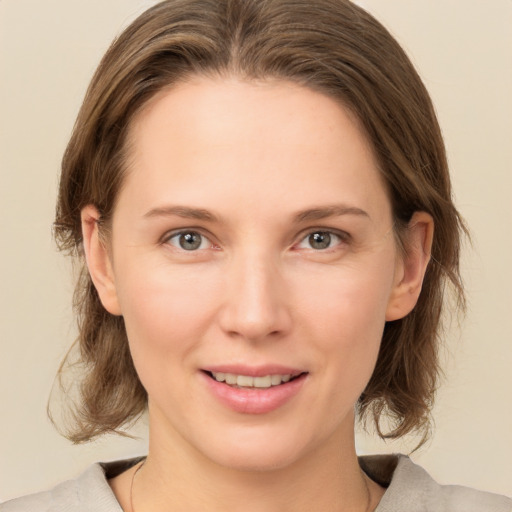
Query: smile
point(270, 389)
point(247, 381)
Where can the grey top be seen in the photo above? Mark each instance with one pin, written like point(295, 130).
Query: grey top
point(409, 489)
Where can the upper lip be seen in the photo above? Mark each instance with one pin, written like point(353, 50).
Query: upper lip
point(253, 371)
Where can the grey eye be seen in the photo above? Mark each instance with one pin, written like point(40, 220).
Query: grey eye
point(319, 240)
point(188, 241)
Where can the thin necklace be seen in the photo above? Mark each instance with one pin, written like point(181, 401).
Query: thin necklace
point(131, 486)
point(368, 494)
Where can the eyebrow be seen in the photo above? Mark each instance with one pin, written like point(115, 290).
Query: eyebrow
point(182, 211)
point(311, 214)
point(329, 211)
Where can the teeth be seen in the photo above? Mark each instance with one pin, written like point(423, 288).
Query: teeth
point(263, 382)
point(246, 381)
point(277, 379)
point(230, 378)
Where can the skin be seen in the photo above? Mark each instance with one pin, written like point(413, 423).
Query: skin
point(256, 291)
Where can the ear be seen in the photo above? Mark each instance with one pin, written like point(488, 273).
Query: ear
point(412, 266)
point(98, 260)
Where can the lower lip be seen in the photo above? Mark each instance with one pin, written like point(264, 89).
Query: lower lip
point(254, 400)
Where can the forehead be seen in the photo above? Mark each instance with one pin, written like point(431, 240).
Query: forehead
point(272, 142)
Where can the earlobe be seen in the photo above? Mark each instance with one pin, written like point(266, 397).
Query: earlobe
point(412, 267)
point(98, 260)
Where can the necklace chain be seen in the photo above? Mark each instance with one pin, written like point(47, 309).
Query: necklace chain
point(131, 486)
point(368, 494)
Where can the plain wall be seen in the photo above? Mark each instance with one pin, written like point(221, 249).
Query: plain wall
point(48, 52)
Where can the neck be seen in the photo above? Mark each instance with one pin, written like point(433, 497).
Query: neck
point(328, 479)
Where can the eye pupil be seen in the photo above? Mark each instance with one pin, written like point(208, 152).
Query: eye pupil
point(190, 241)
point(320, 240)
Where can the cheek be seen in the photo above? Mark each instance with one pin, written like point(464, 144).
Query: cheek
point(344, 313)
point(165, 310)
point(350, 300)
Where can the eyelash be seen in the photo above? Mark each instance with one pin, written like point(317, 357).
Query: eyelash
point(175, 235)
point(342, 236)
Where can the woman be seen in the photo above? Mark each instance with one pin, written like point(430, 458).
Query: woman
point(260, 193)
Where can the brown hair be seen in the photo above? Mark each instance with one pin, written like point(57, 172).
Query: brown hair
point(331, 46)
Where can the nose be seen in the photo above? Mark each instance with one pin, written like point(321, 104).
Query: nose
point(255, 303)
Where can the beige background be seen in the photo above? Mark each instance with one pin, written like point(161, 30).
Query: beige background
point(48, 51)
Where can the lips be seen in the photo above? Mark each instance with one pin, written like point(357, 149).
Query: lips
point(254, 390)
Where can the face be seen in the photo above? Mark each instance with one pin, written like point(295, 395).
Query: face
point(253, 260)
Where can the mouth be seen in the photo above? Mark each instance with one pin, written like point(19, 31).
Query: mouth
point(250, 382)
point(254, 390)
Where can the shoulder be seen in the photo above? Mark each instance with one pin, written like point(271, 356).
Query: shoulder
point(411, 489)
point(89, 491)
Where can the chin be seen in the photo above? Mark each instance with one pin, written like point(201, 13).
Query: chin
point(253, 450)
point(256, 461)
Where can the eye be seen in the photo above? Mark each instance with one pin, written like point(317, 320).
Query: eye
point(321, 240)
point(189, 241)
